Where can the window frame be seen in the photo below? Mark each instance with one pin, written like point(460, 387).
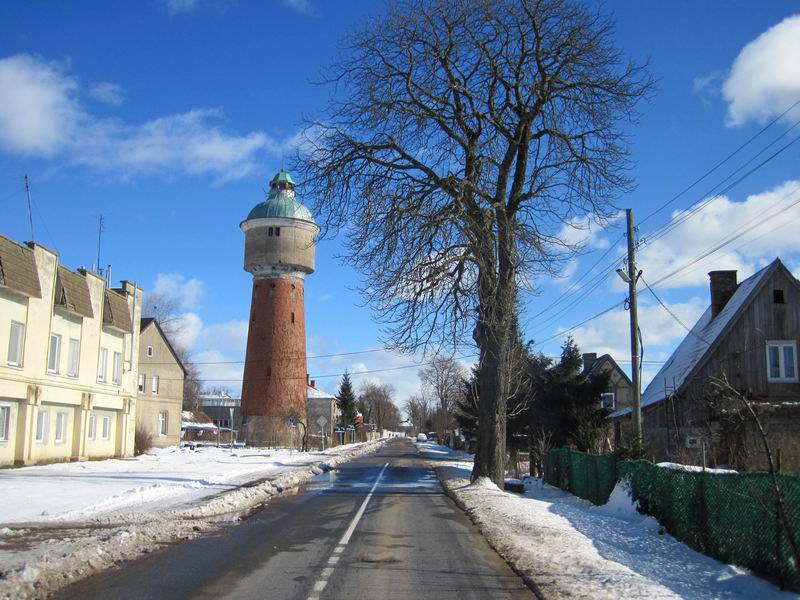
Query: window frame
point(141, 382)
point(54, 357)
point(61, 427)
point(91, 428)
point(154, 385)
point(42, 418)
point(20, 340)
point(102, 367)
point(116, 368)
point(5, 422)
point(105, 432)
point(73, 358)
point(163, 423)
point(150, 351)
point(781, 345)
point(613, 400)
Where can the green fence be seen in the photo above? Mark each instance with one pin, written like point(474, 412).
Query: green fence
point(730, 516)
point(588, 476)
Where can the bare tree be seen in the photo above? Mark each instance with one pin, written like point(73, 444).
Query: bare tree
point(443, 380)
point(375, 401)
point(461, 139)
point(166, 311)
point(418, 411)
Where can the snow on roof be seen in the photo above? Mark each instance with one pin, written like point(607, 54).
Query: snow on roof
point(315, 393)
point(196, 420)
point(695, 345)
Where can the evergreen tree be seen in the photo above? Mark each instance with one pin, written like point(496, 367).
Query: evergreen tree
point(346, 399)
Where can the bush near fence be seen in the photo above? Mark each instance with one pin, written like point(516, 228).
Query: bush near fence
point(732, 517)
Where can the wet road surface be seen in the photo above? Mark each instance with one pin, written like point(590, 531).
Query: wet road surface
point(377, 527)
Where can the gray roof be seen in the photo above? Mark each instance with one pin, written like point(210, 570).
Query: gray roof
point(116, 313)
point(697, 345)
point(18, 269)
point(72, 292)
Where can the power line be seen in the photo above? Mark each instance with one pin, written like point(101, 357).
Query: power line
point(672, 314)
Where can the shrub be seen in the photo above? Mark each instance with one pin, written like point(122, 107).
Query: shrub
point(142, 440)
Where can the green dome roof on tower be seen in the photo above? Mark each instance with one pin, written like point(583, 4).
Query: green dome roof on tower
point(281, 203)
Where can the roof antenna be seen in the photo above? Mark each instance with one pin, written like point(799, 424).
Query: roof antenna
point(30, 214)
point(99, 237)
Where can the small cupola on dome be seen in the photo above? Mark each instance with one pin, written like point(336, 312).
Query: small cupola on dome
point(281, 202)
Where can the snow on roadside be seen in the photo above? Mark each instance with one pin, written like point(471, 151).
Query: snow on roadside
point(567, 548)
point(39, 558)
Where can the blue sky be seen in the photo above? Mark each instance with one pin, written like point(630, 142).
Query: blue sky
point(170, 116)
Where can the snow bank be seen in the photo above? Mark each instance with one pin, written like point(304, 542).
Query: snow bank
point(57, 553)
point(692, 468)
point(565, 547)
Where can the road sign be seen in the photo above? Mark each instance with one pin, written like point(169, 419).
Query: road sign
point(292, 421)
point(351, 428)
point(322, 421)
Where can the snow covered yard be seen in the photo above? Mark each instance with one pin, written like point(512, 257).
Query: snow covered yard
point(569, 548)
point(66, 521)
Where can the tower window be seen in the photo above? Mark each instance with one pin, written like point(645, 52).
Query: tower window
point(777, 297)
point(278, 231)
point(292, 317)
point(269, 231)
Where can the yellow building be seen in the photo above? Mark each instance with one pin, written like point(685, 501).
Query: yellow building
point(68, 368)
point(160, 386)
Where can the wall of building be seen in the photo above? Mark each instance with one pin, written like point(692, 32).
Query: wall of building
point(31, 387)
point(168, 397)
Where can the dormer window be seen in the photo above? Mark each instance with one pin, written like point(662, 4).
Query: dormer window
point(777, 297)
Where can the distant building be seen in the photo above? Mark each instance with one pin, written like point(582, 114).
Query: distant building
point(749, 336)
point(159, 386)
point(218, 408)
point(68, 348)
point(619, 393)
point(321, 404)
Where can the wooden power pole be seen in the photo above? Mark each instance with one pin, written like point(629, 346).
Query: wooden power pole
point(633, 276)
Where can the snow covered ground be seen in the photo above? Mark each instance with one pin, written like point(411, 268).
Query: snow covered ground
point(63, 522)
point(569, 548)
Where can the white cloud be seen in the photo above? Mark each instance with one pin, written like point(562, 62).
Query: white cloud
point(231, 336)
point(765, 77)
point(180, 6)
point(304, 7)
point(611, 332)
point(38, 115)
point(708, 83)
point(188, 328)
point(41, 115)
point(184, 292)
point(720, 219)
point(107, 93)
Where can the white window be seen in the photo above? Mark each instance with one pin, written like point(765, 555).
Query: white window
point(106, 428)
point(92, 427)
point(154, 387)
point(5, 422)
point(141, 383)
point(116, 374)
point(73, 357)
point(607, 400)
point(41, 425)
point(16, 344)
point(54, 358)
point(150, 352)
point(102, 369)
point(782, 361)
point(61, 426)
point(162, 423)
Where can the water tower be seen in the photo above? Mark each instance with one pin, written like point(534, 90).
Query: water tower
point(279, 252)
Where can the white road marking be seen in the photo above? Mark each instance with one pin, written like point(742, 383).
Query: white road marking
point(319, 586)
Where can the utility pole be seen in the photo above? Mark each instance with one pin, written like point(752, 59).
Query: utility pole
point(632, 278)
point(30, 214)
point(99, 238)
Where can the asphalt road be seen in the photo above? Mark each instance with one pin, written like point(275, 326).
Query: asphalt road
point(378, 527)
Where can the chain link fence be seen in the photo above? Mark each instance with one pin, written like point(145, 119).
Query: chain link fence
point(732, 517)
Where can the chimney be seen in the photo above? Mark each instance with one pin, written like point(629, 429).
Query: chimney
point(588, 360)
point(313, 384)
point(723, 286)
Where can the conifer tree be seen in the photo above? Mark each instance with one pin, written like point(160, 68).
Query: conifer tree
point(346, 399)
